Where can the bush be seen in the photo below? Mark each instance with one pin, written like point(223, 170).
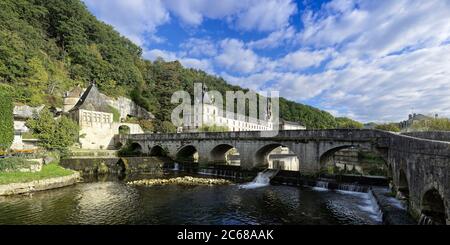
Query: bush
point(393, 127)
point(54, 134)
point(116, 114)
point(434, 124)
point(6, 119)
point(213, 128)
point(14, 164)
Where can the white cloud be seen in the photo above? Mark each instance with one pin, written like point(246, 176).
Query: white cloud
point(132, 18)
point(234, 56)
point(137, 18)
point(267, 15)
point(196, 47)
point(301, 59)
point(202, 64)
point(274, 39)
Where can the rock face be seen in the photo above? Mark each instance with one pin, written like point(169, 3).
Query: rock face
point(38, 185)
point(186, 180)
point(128, 107)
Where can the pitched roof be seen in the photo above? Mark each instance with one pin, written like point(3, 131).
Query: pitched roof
point(92, 100)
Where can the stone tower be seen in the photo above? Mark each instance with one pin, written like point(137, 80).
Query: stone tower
point(71, 98)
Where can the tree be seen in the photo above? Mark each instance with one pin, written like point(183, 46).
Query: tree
point(393, 127)
point(6, 118)
point(344, 122)
point(54, 134)
point(166, 127)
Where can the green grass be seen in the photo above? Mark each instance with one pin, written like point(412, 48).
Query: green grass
point(48, 171)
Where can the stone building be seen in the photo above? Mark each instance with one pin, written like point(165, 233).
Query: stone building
point(22, 139)
point(406, 125)
point(95, 118)
point(209, 114)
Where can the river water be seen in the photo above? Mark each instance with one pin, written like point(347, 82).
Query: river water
point(115, 202)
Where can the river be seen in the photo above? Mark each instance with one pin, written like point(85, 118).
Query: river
point(114, 202)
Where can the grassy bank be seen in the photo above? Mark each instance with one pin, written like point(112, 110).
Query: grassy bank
point(48, 171)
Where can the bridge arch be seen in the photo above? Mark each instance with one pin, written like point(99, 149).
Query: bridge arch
point(347, 157)
point(277, 156)
point(157, 150)
point(187, 153)
point(136, 148)
point(433, 207)
point(222, 153)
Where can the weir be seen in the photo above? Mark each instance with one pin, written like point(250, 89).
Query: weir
point(262, 179)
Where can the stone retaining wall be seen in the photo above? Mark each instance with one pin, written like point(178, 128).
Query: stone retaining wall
point(39, 185)
point(115, 165)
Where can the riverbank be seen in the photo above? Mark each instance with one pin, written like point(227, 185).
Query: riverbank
point(51, 176)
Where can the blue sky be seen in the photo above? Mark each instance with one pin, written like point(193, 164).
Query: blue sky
point(368, 60)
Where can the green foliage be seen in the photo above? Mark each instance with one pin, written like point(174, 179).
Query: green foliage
point(344, 122)
point(6, 118)
point(165, 127)
point(213, 128)
point(116, 113)
point(53, 134)
point(13, 164)
point(51, 170)
point(124, 129)
point(433, 124)
point(129, 149)
point(393, 127)
point(147, 126)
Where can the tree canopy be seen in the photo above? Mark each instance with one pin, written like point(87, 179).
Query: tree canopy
point(54, 134)
point(344, 122)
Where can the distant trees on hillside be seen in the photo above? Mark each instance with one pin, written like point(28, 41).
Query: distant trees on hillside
point(344, 122)
point(392, 127)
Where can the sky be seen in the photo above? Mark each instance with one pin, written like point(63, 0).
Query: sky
point(373, 61)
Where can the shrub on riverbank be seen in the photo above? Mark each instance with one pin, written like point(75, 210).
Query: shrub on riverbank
point(14, 164)
point(48, 171)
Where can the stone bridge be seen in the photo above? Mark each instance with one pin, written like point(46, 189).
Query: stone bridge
point(420, 168)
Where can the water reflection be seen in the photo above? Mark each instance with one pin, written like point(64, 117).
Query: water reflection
point(114, 202)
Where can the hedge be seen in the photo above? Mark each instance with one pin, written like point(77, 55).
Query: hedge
point(6, 118)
